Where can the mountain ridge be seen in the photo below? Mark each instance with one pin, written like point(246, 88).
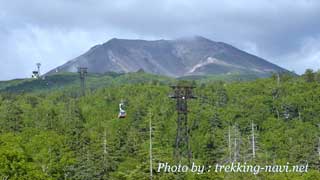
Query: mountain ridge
point(175, 58)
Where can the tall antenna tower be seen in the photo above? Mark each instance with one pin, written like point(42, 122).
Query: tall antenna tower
point(253, 141)
point(82, 72)
point(38, 67)
point(318, 148)
point(229, 144)
point(182, 147)
point(150, 146)
point(237, 141)
point(278, 78)
point(36, 74)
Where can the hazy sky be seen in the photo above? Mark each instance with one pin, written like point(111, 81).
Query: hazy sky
point(285, 32)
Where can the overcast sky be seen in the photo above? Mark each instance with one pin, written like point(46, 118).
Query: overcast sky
point(285, 32)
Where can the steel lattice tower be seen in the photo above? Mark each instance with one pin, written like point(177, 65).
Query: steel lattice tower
point(182, 147)
point(38, 67)
point(82, 72)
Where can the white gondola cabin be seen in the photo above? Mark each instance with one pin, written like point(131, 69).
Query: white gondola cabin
point(122, 112)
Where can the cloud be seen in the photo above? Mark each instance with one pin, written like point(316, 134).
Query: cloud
point(307, 57)
point(55, 31)
point(25, 47)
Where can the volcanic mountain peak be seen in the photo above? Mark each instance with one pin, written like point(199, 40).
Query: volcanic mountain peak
point(180, 57)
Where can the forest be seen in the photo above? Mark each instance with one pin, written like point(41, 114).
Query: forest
point(56, 134)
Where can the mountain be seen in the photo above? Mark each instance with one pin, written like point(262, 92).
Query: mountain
point(176, 58)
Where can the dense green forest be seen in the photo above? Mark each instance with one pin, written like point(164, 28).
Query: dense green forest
point(57, 134)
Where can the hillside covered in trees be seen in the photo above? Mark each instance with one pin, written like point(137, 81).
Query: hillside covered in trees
point(57, 134)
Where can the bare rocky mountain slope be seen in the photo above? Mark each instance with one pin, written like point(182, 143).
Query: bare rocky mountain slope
point(175, 58)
